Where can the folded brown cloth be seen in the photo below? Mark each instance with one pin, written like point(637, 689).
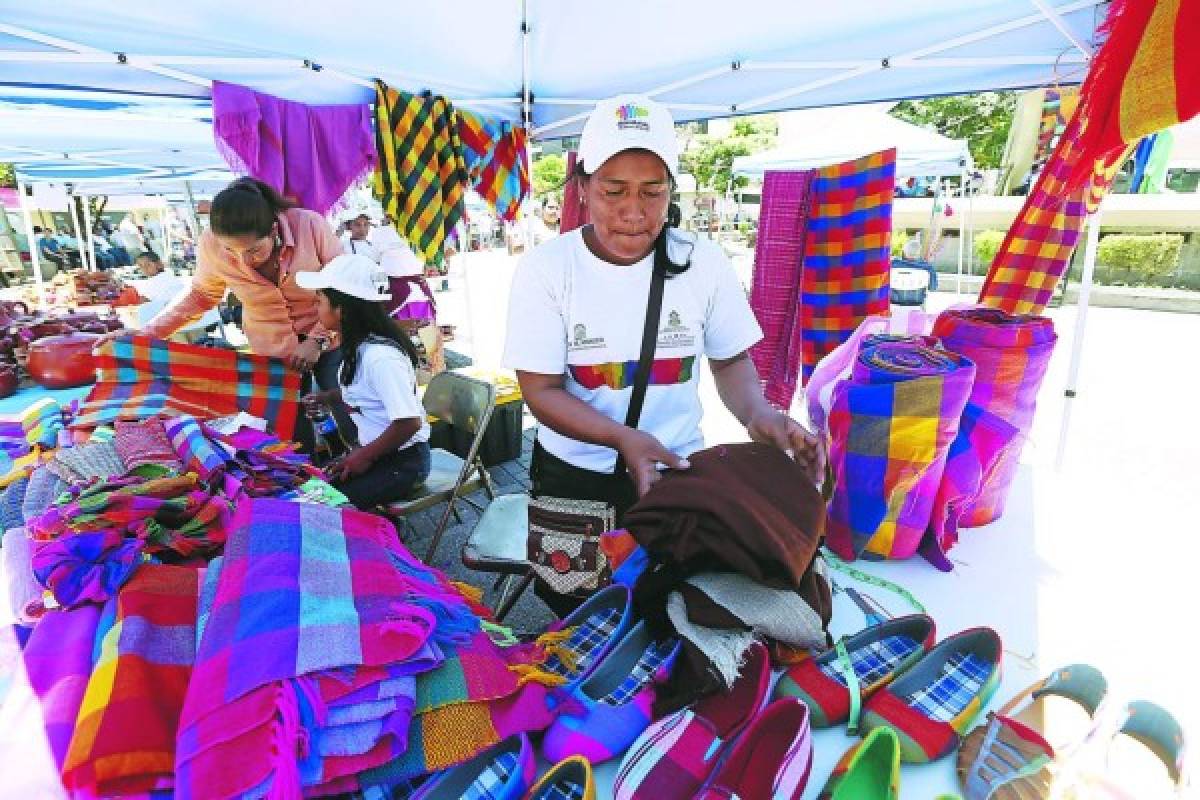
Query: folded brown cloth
point(743, 508)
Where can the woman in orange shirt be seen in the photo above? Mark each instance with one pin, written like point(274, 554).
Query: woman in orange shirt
point(257, 243)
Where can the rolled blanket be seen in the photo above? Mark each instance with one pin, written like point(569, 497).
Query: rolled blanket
point(1011, 355)
point(891, 425)
point(86, 567)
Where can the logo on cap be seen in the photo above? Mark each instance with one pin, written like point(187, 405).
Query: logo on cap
point(633, 116)
point(380, 281)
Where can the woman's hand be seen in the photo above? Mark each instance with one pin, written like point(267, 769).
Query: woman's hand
point(776, 428)
point(643, 453)
point(306, 355)
point(351, 465)
point(316, 400)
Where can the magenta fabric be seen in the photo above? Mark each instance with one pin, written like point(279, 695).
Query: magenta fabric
point(574, 213)
point(778, 269)
point(1011, 355)
point(311, 154)
point(58, 660)
point(87, 567)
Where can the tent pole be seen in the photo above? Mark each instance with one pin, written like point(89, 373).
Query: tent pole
point(87, 221)
point(1085, 292)
point(35, 258)
point(192, 216)
point(166, 232)
point(962, 231)
point(83, 256)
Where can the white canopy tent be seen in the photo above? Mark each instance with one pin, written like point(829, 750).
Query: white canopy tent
point(834, 135)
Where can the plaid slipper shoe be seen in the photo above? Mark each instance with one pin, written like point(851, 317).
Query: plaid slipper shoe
point(771, 760)
point(578, 643)
point(571, 779)
point(875, 655)
point(675, 756)
point(932, 705)
point(870, 770)
point(604, 714)
point(503, 772)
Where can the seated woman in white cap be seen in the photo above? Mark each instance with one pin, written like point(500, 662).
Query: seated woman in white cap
point(377, 384)
point(577, 313)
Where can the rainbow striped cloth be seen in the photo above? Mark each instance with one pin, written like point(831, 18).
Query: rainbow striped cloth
point(421, 178)
point(124, 739)
point(140, 377)
point(1143, 79)
point(497, 161)
point(891, 426)
point(1011, 355)
point(847, 253)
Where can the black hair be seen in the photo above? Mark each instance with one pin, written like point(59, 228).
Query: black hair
point(662, 255)
point(361, 320)
point(150, 255)
point(246, 206)
point(37, 228)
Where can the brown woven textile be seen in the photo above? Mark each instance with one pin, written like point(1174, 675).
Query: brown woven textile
point(744, 508)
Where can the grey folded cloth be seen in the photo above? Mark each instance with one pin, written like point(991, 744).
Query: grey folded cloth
point(723, 613)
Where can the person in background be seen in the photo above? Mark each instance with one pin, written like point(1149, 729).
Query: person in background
point(48, 247)
point(121, 257)
point(376, 382)
point(129, 237)
point(257, 245)
point(159, 283)
point(576, 316)
point(358, 241)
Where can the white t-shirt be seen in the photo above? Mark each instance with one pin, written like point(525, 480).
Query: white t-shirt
point(362, 247)
point(572, 313)
point(384, 390)
point(395, 256)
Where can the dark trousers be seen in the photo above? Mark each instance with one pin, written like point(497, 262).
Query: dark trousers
point(553, 477)
point(325, 375)
point(389, 479)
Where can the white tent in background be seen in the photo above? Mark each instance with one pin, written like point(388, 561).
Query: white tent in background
point(834, 135)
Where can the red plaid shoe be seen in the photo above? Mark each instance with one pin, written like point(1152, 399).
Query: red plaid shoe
point(931, 706)
point(675, 756)
point(771, 760)
point(876, 655)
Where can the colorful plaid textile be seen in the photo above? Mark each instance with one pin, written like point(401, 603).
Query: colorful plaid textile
point(302, 590)
point(1011, 355)
point(140, 377)
point(584, 643)
point(963, 675)
point(778, 266)
point(562, 790)
point(847, 252)
point(497, 161)
point(124, 739)
point(142, 443)
point(420, 179)
point(86, 567)
point(193, 447)
point(875, 661)
point(86, 463)
point(653, 657)
point(891, 425)
point(984, 441)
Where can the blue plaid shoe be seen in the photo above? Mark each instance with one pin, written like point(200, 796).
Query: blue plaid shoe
point(609, 710)
point(578, 643)
point(504, 772)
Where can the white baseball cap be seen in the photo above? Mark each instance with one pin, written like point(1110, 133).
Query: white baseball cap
point(357, 276)
point(628, 122)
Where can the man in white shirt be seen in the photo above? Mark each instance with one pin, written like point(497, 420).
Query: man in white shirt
point(358, 243)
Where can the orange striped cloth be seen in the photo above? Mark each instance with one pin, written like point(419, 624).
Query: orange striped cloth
point(1144, 78)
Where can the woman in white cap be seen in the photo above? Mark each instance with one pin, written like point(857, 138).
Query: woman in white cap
point(377, 384)
point(578, 309)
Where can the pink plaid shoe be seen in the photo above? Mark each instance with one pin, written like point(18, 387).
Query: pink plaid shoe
point(770, 761)
point(676, 755)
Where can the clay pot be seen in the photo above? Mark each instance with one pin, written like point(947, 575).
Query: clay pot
point(62, 362)
point(8, 380)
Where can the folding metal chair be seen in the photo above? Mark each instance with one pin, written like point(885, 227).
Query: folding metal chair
point(467, 404)
point(497, 545)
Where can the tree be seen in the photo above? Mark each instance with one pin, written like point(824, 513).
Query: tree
point(549, 174)
point(983, 119)
point(8, 177)
point(711, 162)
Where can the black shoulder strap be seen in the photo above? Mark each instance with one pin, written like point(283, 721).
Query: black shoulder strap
point(646, 358)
